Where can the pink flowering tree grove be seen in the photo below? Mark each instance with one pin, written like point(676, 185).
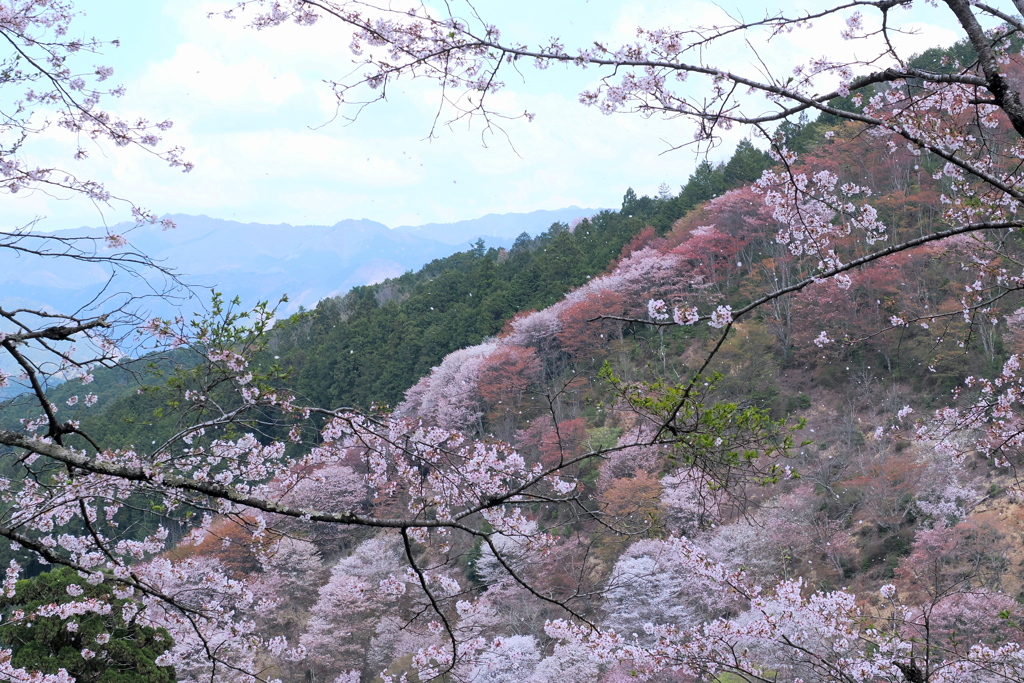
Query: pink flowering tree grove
point(463, 558)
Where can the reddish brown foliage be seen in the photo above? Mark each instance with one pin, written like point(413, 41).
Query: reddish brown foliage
point(566, 442)
point(581, 334)
point(229, 542)
point(508, 374)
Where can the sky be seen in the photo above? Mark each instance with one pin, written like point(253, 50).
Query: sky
point(256, 118)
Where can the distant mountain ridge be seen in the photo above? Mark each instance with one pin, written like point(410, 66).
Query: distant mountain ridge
point(262, 261)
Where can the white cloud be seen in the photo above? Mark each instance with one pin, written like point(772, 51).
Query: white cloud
point(253, 111)
point(197, 75)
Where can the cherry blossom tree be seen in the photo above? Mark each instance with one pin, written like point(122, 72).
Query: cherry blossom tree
point(450, 395)
point(344, 619)
point(52, 84)
point(642, 591)
point(962, 120)
point(53, 87)
point(507, 661)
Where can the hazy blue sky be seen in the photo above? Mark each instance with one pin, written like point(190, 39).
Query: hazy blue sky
point(253, 112)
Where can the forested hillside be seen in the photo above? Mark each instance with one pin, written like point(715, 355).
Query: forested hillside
point(375, 342)
point(566, 345)
point(767, 428)
point(839, 490)
point(369, 346)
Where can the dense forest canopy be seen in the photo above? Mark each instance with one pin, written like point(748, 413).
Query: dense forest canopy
point(762, 429)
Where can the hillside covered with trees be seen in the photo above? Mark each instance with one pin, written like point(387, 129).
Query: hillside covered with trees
point(838, 491)
point(369, 346)
point(765, 429)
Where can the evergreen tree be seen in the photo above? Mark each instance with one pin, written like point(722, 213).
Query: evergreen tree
point(746, 165)
point(705, 183)
point(92, 647)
